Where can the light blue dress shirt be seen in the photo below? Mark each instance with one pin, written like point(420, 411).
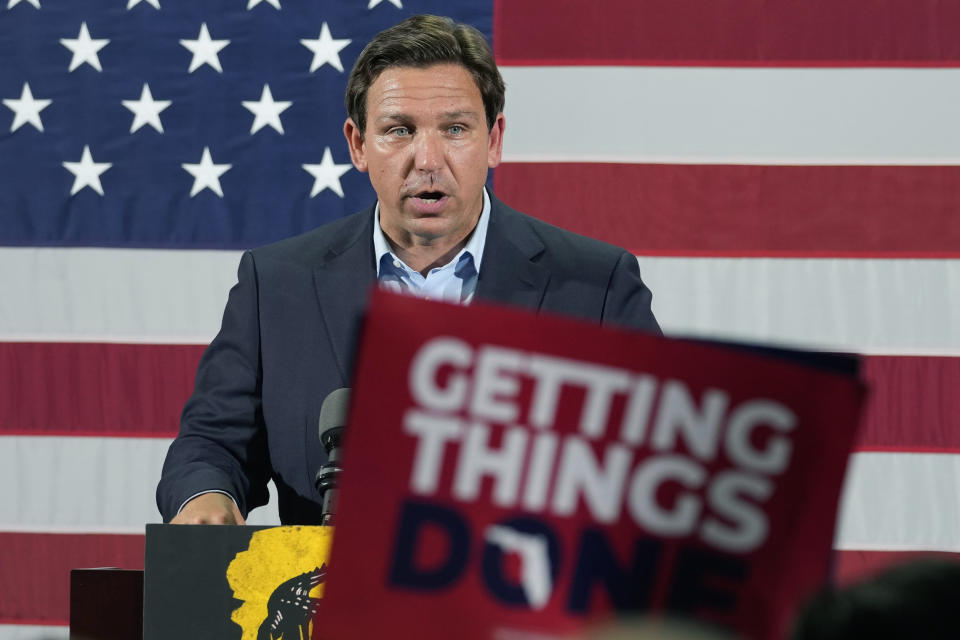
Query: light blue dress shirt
point(454, 282)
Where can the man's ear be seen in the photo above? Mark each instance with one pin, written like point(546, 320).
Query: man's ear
point(355, 141)
point(495, 148)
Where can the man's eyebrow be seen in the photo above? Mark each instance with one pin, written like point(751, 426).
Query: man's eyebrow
point(393, 117)
point(461, 115)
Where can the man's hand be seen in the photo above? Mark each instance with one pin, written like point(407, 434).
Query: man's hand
point(209, 508)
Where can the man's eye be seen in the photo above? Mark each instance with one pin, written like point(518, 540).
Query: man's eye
point(457, 130)
point(399, 132)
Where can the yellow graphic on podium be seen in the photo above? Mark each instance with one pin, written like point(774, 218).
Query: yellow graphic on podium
point(280, 578)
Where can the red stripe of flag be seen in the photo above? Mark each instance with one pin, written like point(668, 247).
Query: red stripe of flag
point(139, 390)
point(93, 388)
point(913, 404)
point(728, 32)
point(35, 580)
point(736, 210)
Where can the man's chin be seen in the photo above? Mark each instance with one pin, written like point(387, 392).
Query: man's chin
point(430, 228)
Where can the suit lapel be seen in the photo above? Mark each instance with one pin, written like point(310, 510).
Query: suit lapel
point(343, 282)
point(508, 274)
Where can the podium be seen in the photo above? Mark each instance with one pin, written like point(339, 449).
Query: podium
point(220, 581)
point(206, 581)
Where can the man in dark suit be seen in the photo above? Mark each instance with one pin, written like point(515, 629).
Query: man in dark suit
point(425, 103)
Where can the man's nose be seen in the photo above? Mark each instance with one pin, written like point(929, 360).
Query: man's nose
point(428, 151)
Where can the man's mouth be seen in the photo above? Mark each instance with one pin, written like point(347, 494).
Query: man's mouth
point(429, 202)
point(430, 196)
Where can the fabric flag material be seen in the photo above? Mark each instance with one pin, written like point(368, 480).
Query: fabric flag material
point(785, 172)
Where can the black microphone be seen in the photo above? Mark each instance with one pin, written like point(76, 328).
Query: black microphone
point(333, 421)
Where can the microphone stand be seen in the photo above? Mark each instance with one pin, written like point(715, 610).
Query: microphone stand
point(328, 477)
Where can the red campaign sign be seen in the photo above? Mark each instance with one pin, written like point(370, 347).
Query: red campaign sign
point(510, 476)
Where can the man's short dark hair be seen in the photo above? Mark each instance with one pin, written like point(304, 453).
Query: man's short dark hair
point(423, 41)
point(916, 600)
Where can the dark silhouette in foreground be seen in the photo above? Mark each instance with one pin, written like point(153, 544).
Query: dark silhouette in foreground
point(919, 600)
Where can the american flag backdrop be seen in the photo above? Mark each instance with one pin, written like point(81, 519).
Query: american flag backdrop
point(786, 172)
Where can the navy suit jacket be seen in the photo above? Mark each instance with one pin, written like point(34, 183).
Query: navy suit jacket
point(288, 336)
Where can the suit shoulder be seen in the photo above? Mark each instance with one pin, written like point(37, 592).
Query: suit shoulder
point(575, 247)
point(315, 245)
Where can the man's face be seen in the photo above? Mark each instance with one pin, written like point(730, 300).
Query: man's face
point(427, 148)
